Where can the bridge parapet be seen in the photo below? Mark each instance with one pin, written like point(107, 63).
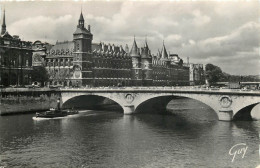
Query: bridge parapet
point(225, 102)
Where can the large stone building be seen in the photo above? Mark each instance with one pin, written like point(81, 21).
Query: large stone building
point(15, 59)
point(81, 62)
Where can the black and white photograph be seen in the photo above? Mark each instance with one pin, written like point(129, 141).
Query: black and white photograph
point(130, 84)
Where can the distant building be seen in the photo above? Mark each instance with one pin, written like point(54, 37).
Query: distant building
point(15, 59)
point(197, 76)
point(82, 63)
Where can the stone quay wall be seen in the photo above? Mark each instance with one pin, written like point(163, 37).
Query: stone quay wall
point(26, 100)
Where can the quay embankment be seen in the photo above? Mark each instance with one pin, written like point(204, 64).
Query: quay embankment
point(27, 100)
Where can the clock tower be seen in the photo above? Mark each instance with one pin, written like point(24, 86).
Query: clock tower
point(82, 62)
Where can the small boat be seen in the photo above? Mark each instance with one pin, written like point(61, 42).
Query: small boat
point(52, 113)
point(72, 111)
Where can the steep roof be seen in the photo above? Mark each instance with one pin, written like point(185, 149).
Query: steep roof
point(145, 53)
point(134, 51)
point(7, 35)
point(164, 53)
point(61, 48)
point(81, 31)
point(81, 18)
point(96, 46)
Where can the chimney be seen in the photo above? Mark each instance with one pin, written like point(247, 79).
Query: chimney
point(89, 28)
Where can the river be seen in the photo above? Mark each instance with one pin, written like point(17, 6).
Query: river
point(191, 136)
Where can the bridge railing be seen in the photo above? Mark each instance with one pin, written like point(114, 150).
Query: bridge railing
point(176, 88)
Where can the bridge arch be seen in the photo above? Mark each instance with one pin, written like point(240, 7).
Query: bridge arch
point(226, 103)
point(159, 102)
point(244, 113)
point(88, 101)
point(242, 106)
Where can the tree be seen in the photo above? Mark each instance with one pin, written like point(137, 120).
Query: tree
point(62, 75)
point(40, 74)
point(213, 73)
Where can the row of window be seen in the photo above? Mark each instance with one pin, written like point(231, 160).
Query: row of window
point(60, 60)
point(116, 64)
point(15, 43)
point(112, 73)
point(115, 56)
point(14, 62)
point(59, 64)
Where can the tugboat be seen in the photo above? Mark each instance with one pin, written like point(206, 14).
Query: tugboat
point(52, 113)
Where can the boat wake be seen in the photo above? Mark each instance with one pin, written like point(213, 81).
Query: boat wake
point(40, 119)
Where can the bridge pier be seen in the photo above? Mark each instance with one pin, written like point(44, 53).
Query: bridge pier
point(225, 115)
point(129, 109)
point(226, 103)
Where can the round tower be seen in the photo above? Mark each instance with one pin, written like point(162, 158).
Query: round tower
point(146, 65)
point(136, 65)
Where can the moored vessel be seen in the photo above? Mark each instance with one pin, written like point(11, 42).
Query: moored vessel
point(52, 113)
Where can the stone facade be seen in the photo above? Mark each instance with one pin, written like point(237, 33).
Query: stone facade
point(80, 62)
point(197, 76)
point(15, 59)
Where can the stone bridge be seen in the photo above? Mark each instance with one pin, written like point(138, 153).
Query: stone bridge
point(226, 102)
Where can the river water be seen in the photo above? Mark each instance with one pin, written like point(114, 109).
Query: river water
point(191, 136)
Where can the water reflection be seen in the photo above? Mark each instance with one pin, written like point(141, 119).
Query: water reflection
point(191, 136)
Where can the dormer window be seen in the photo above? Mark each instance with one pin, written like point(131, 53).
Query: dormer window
point(6, 42)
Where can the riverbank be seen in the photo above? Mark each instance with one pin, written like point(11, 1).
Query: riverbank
point(31, 100)
point(27, 100)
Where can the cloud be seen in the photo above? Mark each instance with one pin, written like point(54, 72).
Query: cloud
point(199, 19)
point(208, 32)
point(162, 21)
point(41, 27)
point(231, 50)
point(245, 38)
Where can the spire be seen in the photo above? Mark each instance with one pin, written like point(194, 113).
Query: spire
point(3, 25)
point(145, 50)
point(81, 20)
point(159, 53)
point(146, 45)
point(164, 53)
point(134, 50)
point(4, 19)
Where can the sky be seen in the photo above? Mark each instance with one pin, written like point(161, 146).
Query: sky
point(224, 33)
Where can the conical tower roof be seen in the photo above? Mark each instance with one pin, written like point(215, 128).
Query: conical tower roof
point(134, 50)
point(145, 50)
point(164, 53)
point(81, 18)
